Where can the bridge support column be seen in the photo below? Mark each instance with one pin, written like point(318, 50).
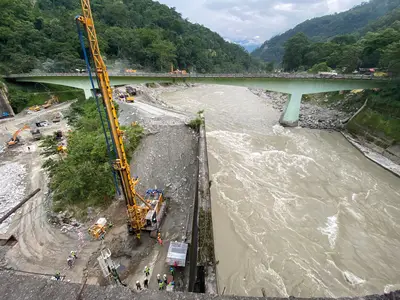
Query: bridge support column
point(290, 115)
point(88, 93)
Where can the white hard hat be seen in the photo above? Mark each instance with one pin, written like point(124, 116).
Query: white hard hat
point(137, 281)
point(158, 275)
point(145, 267)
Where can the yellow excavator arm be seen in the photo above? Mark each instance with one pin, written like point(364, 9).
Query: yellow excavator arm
point(14, 140)
point(136, 213)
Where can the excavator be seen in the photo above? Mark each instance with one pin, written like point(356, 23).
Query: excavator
point(180, 72)
point(15, 139)
point(142, 213)
point(50, 102)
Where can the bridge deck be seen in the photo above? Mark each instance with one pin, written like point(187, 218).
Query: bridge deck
point(192, 75)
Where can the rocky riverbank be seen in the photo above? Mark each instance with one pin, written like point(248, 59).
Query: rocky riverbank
point(318, 112)
point(311, 115)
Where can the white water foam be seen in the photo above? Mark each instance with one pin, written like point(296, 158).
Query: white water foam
point(331, 230)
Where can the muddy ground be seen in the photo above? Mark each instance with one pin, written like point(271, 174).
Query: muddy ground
point(166, 159)
point(40, 247)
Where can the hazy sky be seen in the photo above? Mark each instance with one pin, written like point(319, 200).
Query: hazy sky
point(255, 20)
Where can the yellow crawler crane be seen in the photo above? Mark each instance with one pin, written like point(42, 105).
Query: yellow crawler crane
point(143, 214)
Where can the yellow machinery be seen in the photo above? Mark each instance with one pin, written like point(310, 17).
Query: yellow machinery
point(34, 108)
point(15, 139)
point(145, 215)
point(98, 230)
point(61, 148)
point(181, 72)
point(50, 102)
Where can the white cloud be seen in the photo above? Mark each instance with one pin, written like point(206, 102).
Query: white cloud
point(255, 20)
point(284, 6)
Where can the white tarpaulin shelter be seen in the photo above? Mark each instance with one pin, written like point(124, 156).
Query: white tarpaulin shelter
point(177, 253)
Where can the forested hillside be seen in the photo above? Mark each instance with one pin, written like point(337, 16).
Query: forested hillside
point(42, 35)
point(355, 21)
point(346, 53)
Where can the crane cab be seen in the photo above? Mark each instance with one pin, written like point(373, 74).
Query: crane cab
point(153, 218)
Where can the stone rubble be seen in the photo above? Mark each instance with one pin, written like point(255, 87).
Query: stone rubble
point(311, 115)
point(12, 189)
point(64, 220)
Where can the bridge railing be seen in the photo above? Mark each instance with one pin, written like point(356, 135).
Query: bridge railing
point(198, 75)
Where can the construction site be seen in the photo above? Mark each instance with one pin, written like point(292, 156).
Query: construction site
point(148, 236)
point(37, 241)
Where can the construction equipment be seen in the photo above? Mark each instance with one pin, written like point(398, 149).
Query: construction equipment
point(57, 117)
point(98, 230)
point(177, 71)
point(109, 267)
point(137, 207)
point(131, 91)
point(15, 138)
point(61, 148)
point(50, 102)
point(58, 134)
point(36, 134)
point(130, 99)
point(34, 108)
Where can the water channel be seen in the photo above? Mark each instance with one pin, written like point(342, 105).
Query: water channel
point(297, 212)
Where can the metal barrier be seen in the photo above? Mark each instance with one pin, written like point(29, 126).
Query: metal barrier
point(221, 76)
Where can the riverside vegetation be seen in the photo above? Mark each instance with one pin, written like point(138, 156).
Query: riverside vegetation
point(84, 176)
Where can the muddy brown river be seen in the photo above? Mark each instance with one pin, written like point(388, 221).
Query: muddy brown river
point(297, 212)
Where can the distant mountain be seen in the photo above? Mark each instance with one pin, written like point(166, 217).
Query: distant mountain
point(323, 28)
point(250, 48)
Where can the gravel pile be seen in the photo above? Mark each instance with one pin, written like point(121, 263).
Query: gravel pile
point(12, 189)
point(311, 115)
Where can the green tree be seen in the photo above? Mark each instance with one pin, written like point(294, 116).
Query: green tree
point(391, 58)
point(321, 67)
point(295, 49)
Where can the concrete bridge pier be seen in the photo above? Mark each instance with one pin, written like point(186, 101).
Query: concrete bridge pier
point(88, 93)
point(291, 113)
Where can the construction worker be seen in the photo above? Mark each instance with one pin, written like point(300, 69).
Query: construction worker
point(159, 240)
point(161, 285)
point(158, 278)
point(70, 261)
point(73, 254)
point(58, 276)
point(138, 286)
point(172, 271)
point(146, 271)
point(165, 279)
point(146, 283)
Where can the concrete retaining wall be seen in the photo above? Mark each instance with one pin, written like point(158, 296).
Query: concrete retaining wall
point(206, 253)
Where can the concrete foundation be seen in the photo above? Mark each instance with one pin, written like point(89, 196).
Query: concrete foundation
point(291, 113)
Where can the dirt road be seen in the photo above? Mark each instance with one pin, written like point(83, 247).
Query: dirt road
point(41, 247)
